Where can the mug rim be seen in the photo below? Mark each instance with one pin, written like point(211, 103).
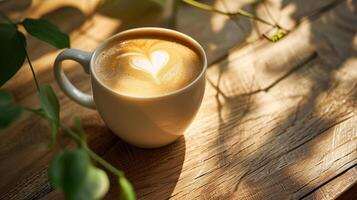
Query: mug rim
point(164, 30)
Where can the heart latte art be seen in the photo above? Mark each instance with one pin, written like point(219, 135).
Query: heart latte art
point(158, 59)
point(147, 66)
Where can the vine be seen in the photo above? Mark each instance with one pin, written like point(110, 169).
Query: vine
point(90, 182)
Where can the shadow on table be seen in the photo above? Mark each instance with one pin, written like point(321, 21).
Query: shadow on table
point(153, 172)
point(333, 50)
point(349, 194)
point(156, 172)
point(59, 16)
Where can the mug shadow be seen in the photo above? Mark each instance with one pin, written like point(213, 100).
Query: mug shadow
point(153, 172)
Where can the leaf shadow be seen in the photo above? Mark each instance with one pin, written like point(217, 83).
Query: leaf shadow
point(244, 163)
point(265, 166)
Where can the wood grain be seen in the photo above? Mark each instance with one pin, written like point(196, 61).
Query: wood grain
point(336, 187)
point(350, 193)
point(278, 120)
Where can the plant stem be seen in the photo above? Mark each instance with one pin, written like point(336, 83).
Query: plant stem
point(27, 56)
point(91, 153)
point(32, 70)
point(103, 162)
point(82, 144)
point(239, 12)
point(72, 135)
point(35, 111)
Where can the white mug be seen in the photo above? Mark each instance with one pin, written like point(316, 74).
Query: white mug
point(147, 122)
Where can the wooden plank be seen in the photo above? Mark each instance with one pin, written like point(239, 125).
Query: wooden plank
point(264, 63)
point(31, 150)
point(336, 187)
point(218, 34)
point(349, 194)
point(277, 143)
point(268, 149)
point(31, 178)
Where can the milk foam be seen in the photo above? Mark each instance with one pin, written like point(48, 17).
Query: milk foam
point(147, 66)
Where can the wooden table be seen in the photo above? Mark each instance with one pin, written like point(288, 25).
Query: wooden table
point(278, 120)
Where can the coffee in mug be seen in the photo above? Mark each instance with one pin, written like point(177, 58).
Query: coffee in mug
point(147, 65)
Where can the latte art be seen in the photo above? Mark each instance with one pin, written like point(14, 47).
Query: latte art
point(147, 66)
point(158, 59)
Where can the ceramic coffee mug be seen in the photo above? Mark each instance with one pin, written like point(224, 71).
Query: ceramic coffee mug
point(142, 121)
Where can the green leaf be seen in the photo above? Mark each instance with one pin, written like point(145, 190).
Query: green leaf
point(68, 171)
point(9, 111)
point(126, 189)
point(51, 108)
point(73, 173)
point(47, 32)
point(55, 170)
point(97, 184)
point(12, 51)
point(49, 103)
point(54, 130)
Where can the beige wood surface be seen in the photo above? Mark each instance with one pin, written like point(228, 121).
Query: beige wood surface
point(336, 186)
point(278, 120)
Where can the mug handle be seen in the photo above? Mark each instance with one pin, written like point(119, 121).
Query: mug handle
point(68, 88)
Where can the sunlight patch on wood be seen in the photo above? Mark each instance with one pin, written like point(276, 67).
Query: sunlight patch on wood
point(95, 30)
point(45, 6)
point(288, 21)
point(218, 22)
